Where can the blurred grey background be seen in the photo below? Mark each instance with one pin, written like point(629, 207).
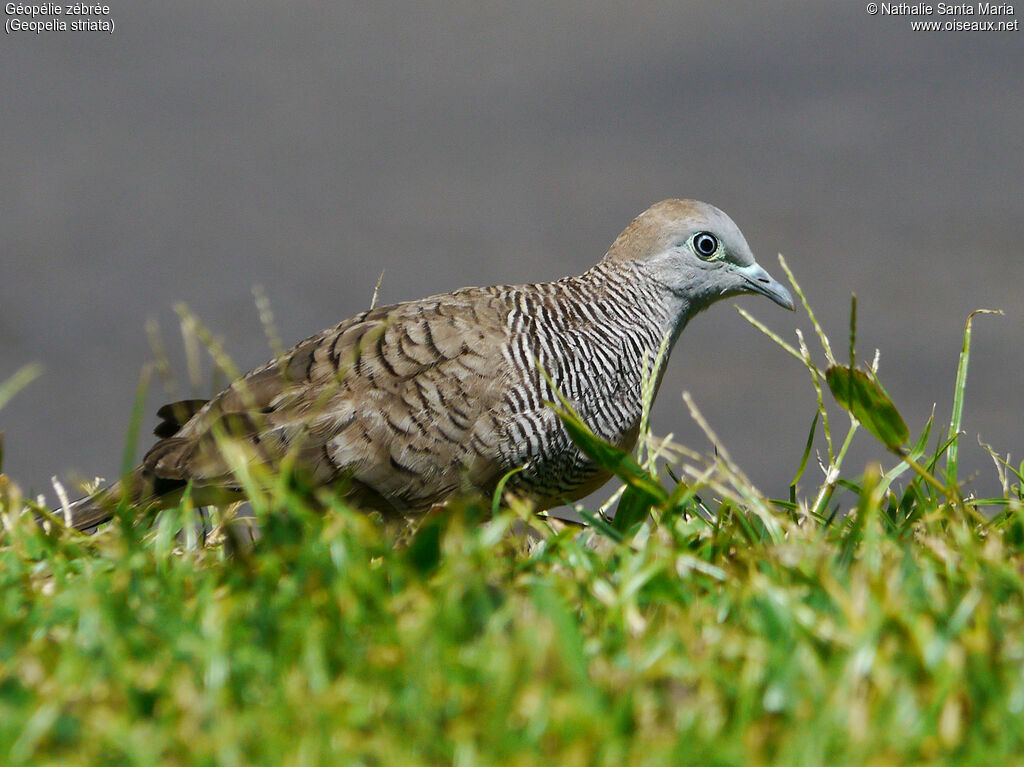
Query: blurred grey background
point(207, 147)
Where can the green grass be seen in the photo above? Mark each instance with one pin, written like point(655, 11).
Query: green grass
point(876, 618)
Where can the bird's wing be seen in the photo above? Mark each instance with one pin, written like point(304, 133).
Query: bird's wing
point(403, 400)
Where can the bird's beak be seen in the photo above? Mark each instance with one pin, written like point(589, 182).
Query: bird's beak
point(759, 281)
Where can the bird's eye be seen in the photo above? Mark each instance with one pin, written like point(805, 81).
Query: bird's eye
point(704, 244)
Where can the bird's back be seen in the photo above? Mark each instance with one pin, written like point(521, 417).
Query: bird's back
point(402, 402)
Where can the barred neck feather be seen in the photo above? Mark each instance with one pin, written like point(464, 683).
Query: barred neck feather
point(597, 336)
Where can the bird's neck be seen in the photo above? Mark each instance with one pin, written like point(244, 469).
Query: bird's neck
point(647, 304)
point(644, 316)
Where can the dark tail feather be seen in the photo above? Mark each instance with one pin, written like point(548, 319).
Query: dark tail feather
point(92, 511)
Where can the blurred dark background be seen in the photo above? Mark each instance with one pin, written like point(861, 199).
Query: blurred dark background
point(204, 148)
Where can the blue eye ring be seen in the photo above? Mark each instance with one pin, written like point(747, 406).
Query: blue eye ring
point(704, 244)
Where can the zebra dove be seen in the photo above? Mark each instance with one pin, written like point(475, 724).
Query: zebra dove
point(403, 406)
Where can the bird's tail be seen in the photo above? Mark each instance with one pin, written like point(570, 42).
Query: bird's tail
point(87, 514)
point(140, 489)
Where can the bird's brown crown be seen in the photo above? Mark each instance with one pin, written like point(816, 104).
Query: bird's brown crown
point(654, 229)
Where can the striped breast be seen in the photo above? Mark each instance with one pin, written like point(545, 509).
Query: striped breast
point(596, 336)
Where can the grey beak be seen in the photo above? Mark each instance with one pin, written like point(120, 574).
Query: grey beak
point(759, 281)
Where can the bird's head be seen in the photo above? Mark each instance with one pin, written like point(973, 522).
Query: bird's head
point(695, 251)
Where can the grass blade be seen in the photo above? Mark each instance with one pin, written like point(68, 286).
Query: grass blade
point(956, 418)
point(609, 457)
point(601, 525)
point(131, 440)
point(499, 491)
point(22, 378)
point(803, 459)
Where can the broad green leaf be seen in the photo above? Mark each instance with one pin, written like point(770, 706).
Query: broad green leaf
point(869, 404)
point(634, 506)
point(425, 548)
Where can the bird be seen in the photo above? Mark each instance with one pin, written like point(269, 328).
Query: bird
point(404, 407)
